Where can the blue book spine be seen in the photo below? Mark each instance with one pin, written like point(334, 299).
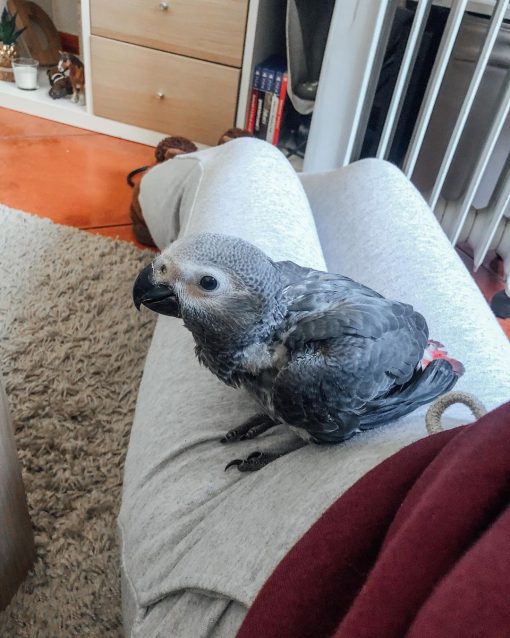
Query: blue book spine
point(266, 106)
point(275, 99)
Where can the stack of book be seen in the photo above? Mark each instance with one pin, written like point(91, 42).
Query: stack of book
point(267, 99)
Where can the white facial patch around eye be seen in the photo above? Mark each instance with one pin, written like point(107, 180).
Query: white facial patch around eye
point(193, 274)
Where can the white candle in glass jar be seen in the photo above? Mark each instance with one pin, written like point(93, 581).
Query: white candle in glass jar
point(25, 73)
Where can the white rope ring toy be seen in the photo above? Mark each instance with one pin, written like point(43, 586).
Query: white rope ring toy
point(436, 410)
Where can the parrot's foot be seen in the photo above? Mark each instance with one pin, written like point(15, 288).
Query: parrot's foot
point(250, 429)
point(257, 460)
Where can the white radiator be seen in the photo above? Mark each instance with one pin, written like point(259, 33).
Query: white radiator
point(455, 189)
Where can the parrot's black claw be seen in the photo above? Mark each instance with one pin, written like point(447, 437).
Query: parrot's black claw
point(255, 461)
point(236, 462)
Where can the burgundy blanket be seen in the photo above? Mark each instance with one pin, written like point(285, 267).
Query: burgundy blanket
point(419, 547)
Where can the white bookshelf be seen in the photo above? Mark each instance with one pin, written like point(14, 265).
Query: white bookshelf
point(263, 34)
point(40, 104)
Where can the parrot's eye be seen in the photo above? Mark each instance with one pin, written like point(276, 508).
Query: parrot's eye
point(208, 283)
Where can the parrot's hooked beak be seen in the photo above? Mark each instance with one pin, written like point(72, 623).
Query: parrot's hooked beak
point(156, 297)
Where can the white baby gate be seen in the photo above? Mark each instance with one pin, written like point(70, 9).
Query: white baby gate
point(351, 69)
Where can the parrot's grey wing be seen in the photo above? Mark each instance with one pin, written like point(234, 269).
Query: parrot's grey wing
point(345, 354)
point(293, 273)
point(373, 321)
point(302, 282)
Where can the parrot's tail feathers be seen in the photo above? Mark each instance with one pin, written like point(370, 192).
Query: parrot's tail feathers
point(436, 350)
point(425, 386)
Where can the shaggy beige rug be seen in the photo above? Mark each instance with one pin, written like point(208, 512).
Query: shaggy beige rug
point(72, 348)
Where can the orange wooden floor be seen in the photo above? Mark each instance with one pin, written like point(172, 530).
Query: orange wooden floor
point(78, 178)
point(70, 175)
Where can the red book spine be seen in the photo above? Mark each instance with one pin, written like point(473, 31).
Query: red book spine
point(278, 122)
point(250, 120)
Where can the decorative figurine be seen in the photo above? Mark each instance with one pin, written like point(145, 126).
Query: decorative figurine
point(60, 84)
point(71, 63)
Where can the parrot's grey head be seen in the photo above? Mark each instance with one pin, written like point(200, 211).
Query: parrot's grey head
point(226, 290)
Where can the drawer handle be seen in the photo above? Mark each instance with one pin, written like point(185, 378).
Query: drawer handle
point(160, 95)
point(163, 6)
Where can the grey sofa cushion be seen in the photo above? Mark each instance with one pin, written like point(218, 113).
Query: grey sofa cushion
point(244, 188)
point(198, 543)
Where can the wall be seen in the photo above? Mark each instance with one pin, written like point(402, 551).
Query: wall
point(65, 15)
point(45, 5)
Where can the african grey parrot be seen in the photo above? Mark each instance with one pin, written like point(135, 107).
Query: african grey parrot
point(321, 353)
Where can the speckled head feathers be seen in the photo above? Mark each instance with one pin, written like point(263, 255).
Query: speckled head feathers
point(232, 254)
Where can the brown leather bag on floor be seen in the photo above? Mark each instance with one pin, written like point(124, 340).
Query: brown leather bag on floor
point(167, 149)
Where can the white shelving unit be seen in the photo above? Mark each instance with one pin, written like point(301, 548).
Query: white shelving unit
point(263, 34)
point(39, 103)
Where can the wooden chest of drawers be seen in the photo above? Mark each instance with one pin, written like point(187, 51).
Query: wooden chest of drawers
point(206, 29)
point(162, 91)
point(169, 66)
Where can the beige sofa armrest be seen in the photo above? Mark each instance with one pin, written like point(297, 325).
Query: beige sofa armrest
point(16, 539)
